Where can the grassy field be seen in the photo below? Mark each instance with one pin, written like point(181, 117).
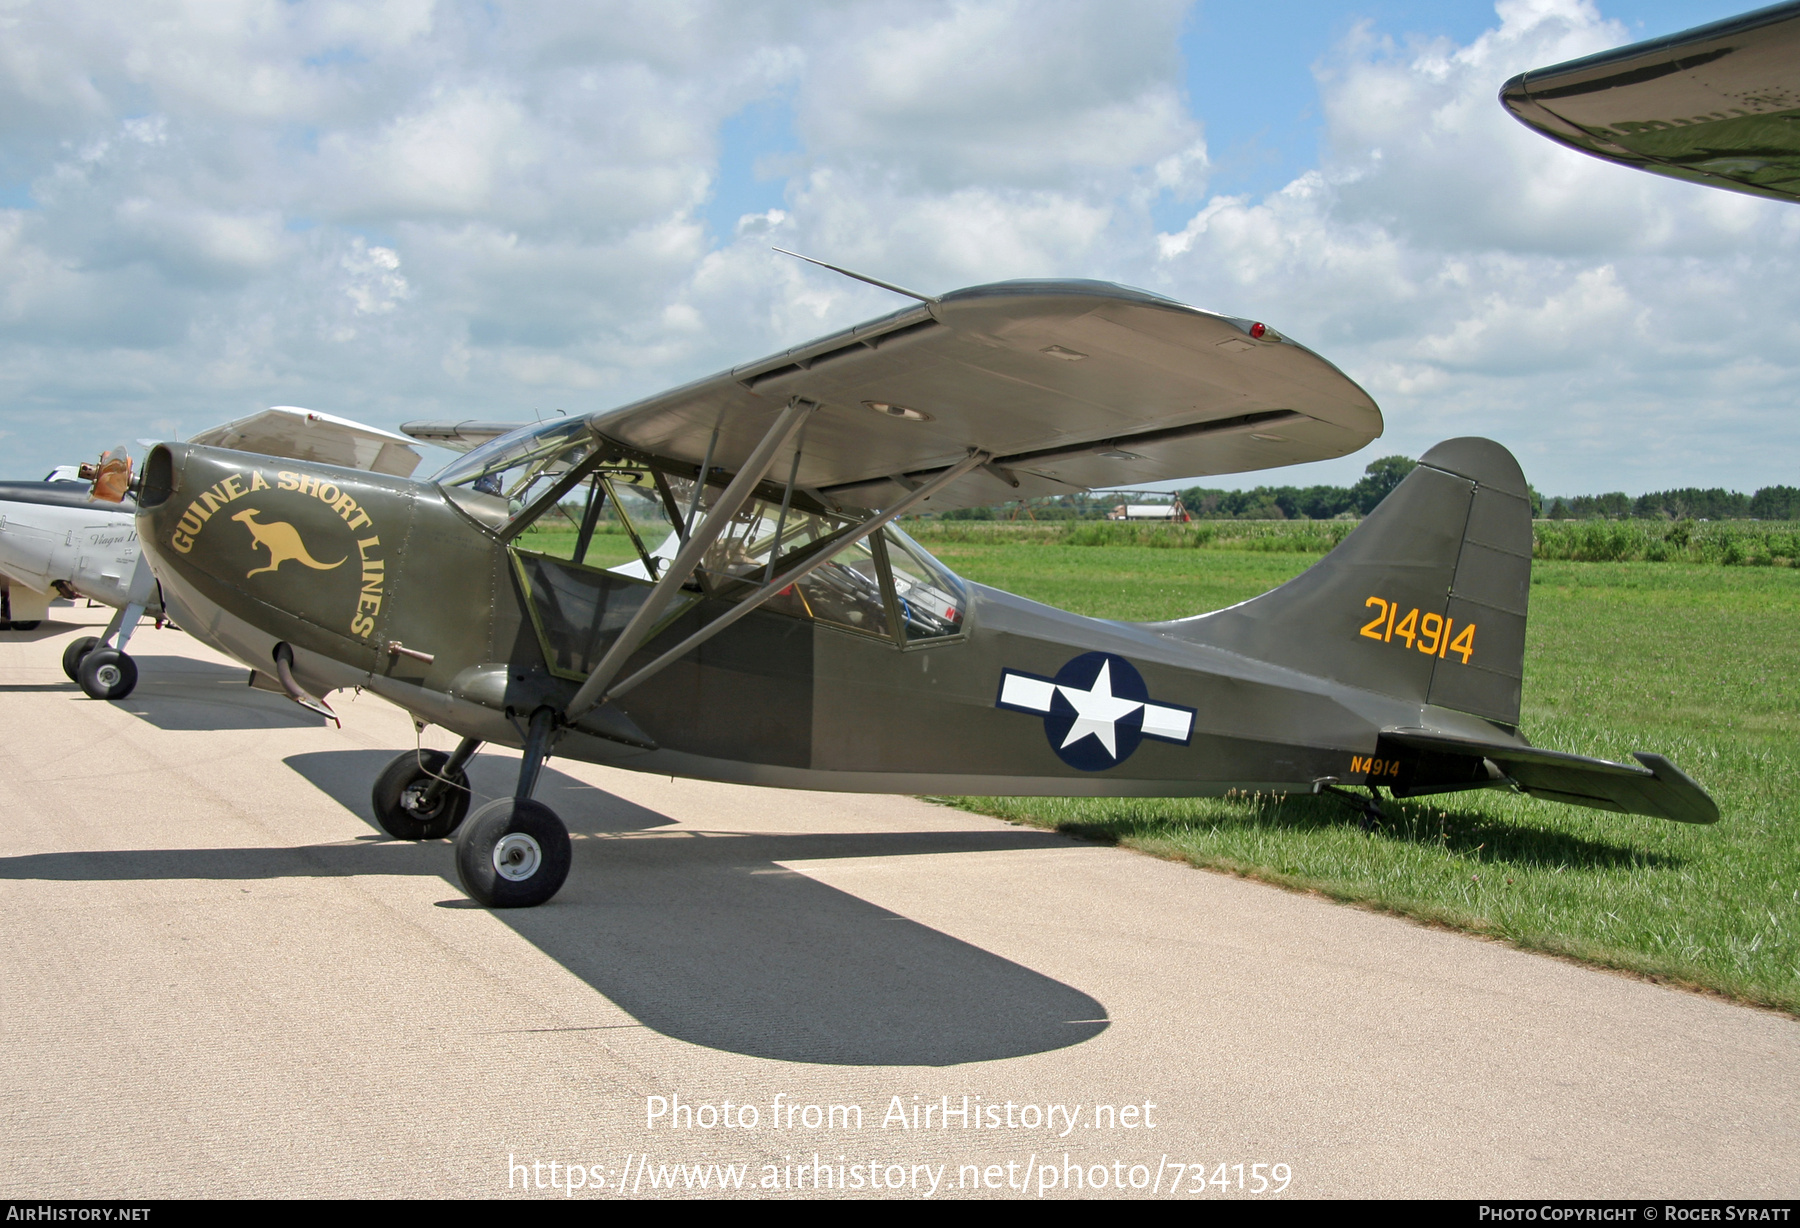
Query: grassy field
point(609, 546)
point(1728, 543)
point(1700, 662)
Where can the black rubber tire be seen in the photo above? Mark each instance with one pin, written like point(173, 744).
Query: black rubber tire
point(396, 792)
point(107, 673)
point(525, 834)
point(30, 624)
point(76, 650)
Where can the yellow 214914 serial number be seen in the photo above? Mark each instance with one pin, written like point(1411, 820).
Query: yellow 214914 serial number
point(1433, 634)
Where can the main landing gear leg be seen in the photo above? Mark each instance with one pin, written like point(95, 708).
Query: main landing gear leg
point(515, 852)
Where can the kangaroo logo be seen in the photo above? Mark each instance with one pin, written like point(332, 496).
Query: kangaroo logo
point(283, 543)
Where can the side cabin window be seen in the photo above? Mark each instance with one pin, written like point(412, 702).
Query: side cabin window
point(590, 531)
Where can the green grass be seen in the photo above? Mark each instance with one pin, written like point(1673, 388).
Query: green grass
point(608, 548)
point(1699, 662)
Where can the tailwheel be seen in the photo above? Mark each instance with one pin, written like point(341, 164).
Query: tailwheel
point(419, 796)
point(73, 654)
point(107, 673)
point(513, 853)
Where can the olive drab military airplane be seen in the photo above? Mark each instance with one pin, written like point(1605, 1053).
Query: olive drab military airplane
point(787, 633)
point(77, 538)
point(1718, 104)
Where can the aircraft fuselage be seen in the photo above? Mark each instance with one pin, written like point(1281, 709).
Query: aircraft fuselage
point(364, 575)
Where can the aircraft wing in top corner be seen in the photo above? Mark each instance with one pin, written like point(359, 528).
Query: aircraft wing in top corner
point(1718, 104)
point(1066, 385)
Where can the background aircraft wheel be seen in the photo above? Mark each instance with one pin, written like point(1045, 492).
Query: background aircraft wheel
point(397, 792)
point(30, 624)
point(74, 652)
point(512, 854)
point(107, 673)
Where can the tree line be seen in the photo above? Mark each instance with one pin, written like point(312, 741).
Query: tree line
point(1689, 503)
point(1381, 476)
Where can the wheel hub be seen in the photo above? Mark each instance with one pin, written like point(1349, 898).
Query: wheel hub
point(413, 802)
point(107, 676)
point(517, 857)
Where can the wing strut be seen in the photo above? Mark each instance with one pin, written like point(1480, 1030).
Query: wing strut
point(700, 538)
point(794, 574)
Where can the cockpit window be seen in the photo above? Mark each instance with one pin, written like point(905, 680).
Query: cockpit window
point(502, 477)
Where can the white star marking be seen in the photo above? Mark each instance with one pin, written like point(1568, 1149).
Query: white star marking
point(1098, 711)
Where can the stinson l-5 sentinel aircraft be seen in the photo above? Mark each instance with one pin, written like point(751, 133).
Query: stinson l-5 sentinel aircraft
point(789, 634)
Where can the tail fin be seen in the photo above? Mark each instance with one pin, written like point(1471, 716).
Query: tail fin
point(1425, 601)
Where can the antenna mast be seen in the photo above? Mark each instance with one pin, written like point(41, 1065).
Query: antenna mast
point(873, 281)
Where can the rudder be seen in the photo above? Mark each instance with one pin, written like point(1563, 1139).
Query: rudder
point(1450, 546)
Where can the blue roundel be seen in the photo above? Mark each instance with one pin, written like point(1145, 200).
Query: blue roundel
point(1104, 722)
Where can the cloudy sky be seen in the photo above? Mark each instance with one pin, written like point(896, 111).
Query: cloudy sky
point(395, 209)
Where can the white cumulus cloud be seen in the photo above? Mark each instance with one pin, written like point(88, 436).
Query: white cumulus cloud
point(411, 208)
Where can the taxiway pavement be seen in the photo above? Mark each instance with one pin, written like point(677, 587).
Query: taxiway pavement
point(222, 980)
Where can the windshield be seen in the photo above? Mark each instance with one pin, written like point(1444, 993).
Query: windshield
point(502, 476)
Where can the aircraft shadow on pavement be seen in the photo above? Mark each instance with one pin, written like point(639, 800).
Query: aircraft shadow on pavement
point(703, 937)
point(48, 629)
point(179, 693)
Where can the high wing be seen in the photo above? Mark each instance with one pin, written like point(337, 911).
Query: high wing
point(1718, 104)
point(306, 434)
point(1067, 385)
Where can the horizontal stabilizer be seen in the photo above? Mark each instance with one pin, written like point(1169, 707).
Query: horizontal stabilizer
point(1657, 788)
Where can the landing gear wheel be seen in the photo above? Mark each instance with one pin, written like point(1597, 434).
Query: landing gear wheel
point(512, 854)
point(107, 673)
point(74, 652)
point(398, 797)
point(30, 624)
